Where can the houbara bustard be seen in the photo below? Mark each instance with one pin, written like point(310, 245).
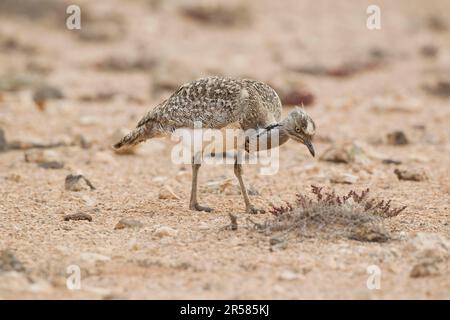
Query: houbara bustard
point(217, 103)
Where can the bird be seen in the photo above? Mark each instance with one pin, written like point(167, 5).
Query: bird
point(223, 102)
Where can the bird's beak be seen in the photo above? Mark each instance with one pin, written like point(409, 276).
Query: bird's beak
point(310, 147)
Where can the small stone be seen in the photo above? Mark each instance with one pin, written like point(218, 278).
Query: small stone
point(77, 183)
point(128, 223)
point(344, 178)
point(166, 193)
point(9, 262)
point(411, 174)
point(337, 154)
point(165, 232)
point(397, 138)
point(78, 217)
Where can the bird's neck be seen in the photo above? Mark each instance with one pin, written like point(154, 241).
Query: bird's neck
point(272, 137)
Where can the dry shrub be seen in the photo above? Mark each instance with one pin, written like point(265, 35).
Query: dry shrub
point(330, 216)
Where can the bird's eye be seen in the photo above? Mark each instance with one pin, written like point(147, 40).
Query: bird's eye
point(297, 129)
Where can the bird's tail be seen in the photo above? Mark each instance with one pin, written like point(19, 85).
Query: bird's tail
point(133, 138)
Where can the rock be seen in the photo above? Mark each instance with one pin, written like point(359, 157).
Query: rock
point(369, 233)
point(9, 262)
point(42, 156)
point(166, 193)
point(45, 93)
point(425, 269)
point(77, 183)
point(397, 138)
point(3, 143)
point(411, 174)
point(78, 216)
point(128, 223)
point(165, 232)
point(94, 257)
point(344, 178)
point(338, 154)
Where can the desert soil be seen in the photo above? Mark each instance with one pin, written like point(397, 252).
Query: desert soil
point(127, 57)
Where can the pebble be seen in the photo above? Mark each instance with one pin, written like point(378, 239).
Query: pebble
point(397, 138)
point(411, 174)
point(77, 183)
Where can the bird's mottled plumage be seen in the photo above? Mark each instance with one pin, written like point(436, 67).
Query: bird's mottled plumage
point(217, 103)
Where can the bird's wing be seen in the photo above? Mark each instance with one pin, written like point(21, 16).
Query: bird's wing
point(213, 102)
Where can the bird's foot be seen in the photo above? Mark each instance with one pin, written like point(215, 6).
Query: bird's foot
point(253, 210)
point(197, 207)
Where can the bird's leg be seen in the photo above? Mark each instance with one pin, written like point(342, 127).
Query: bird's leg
point(193, 205)
point(249, 208)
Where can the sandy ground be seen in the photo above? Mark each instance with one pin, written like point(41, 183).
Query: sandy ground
point(177, 253)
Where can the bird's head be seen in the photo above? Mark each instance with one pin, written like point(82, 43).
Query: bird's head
point(300, 127)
